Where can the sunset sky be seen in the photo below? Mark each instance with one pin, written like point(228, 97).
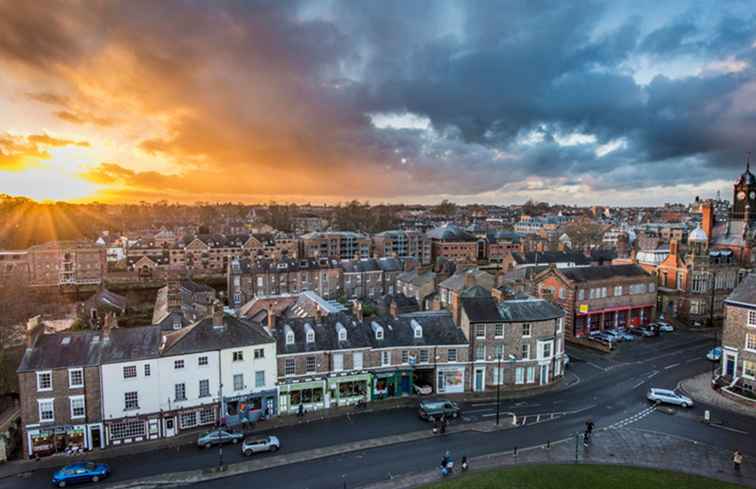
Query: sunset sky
point(389, 101)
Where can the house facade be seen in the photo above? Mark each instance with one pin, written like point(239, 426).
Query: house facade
point(738, 363)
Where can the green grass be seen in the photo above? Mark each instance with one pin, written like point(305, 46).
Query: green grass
point(580, 477)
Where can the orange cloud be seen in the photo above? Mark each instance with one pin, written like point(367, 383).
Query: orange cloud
point(45, 140)
point(20, 152)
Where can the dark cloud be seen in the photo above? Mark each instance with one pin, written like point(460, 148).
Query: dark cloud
point(264, 98)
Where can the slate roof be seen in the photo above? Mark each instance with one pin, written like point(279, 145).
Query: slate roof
point(530, 309)
point(450, 232)
point(545, 257)
point(195, 287)
point(745, 292)
point(475, 291)
point(108, 300)
point(127, 344)
point(62, 350)
point(416, 279)
point(264, 265)
point(457, 281)
point(606, 272)
point(390, 264)
point(481, 309)
point(360, 266)
point(203, 336)
point(326, 334)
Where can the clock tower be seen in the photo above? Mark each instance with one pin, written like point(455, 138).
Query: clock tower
point(744, 195)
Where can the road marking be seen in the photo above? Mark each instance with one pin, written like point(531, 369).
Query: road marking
point(634, 418)
point(478, 404)
point(652, 374)
point(671, 366)
point(691, 360)
point(728, 429)
point(640, 383)
point(595, 366)
point(473, 411)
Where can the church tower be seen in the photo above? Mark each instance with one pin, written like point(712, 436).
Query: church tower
point(744, 195)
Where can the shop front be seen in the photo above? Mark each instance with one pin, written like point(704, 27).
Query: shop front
point(345, 390)
point(44, 441)
point(396, 383)
point(309, 394)
point(250, 408)
point(450, 380)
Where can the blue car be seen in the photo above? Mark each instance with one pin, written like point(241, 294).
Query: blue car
point(80, 472)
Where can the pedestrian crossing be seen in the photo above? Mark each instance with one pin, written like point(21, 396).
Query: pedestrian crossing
point(634, 418)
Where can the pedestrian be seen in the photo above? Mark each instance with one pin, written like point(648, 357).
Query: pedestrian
point(589, 426)
point(737, 459)
point(464, 463)
point(300, 412)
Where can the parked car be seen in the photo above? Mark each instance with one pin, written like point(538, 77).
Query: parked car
point(431, 409)
point(260, 444)
point(626, 336)
point(715, 354)
point(668, 396)
point(665, 327)
point(636, 331)
point(422, 389)
point(80, 472)
point(613, 335)
point(648, 332)
point(219, 437)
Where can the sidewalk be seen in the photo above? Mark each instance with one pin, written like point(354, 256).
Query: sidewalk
point(699, 389)
point(20, 466)
point(630, 447)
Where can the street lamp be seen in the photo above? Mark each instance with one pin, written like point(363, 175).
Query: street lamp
point(499, 376)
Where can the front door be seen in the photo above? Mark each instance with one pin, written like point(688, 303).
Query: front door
point(405, 385)
point(170, 427)
point(544, 374)
point(479, 378)
point(730, 365)
point(95, 436)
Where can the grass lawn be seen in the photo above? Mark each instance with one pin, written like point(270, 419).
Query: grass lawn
point(580, 477)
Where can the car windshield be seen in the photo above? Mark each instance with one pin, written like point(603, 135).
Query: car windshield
point(90, 466)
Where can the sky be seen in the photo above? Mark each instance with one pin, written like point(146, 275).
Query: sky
point(590, 102)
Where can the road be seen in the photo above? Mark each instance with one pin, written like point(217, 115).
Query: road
point(611, 391)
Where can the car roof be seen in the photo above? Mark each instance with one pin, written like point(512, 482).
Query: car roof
point(663, 391)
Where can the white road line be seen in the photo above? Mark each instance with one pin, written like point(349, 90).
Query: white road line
point(728, 429)
point(595, 366)
point(691, 360)
point(478, 404)
point(640, 383)
point(473, 411)
point(671, 366)
point(652, 374)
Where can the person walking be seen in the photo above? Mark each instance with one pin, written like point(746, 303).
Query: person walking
point(737, 459)
point(300, 412)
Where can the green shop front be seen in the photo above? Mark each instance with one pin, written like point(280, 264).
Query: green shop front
point(393, 383)
point(347, 389)
point(310, 394)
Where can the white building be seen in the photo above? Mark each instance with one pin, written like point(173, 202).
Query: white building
point(157, 384)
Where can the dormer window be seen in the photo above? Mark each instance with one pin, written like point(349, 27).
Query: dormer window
point(310, 333)
point(342, 332)
point(377, 330)
point(417, 329)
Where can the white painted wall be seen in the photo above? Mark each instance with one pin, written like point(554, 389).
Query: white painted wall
point(114, 386)
point(190, 375)
point(248, 366)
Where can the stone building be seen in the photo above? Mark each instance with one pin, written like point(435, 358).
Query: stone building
point(738, 363)
point(66, 263)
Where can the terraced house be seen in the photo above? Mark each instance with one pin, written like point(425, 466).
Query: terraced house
point(738, 365)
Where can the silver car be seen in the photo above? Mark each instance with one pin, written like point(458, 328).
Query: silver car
point(260, 444)
point(219, 437)
point(668, 396)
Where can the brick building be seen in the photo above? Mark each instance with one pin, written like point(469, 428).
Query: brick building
point(403, 245)
point(59, 387)
point(455, 244)
point(600, 297)
point(516, 343)
point(738, 364)
point(342, 245)
point(248, 278)
point(66, 263)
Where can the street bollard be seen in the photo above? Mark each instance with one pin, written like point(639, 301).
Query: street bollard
point(548, 444)
point(514, 452)
point(707, 416)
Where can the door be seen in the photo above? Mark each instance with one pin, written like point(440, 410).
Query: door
point(95, 436)
point(170, 427)
point(479, 378)
point(730, 365)
point(405, 385)
point(544, 374)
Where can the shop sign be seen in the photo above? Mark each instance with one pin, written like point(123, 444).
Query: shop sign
point(583, 308)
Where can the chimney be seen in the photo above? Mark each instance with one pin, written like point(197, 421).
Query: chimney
point(707, 218)
point(217, 313)
point(33, 330)
point(357, 310)
point(318, 315)
point(469, 280)
point(673, 248)
point(271, 318)
point(174, 292)
point(393, 309)
point(108, 324)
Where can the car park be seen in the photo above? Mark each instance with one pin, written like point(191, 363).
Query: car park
point(80, 472)
point(260, 444)
point(715, 354)
point(219, 437)
point(668, 396)
point(432, 409)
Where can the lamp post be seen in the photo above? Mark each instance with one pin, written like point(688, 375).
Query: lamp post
point(498, 388)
